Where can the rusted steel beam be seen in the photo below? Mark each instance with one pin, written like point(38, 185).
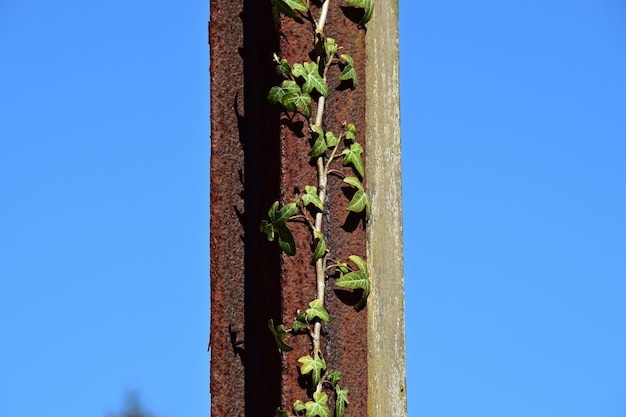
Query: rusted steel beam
point(345, 341)
point(258, 156)
point(245, 270)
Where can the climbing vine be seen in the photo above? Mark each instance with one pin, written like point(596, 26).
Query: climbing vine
point(303, 92)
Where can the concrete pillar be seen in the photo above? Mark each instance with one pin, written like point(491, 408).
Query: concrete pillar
point(387, 358)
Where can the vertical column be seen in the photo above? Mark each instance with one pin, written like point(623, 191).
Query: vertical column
point(387, 358)
point(245, 269)
point(256, 159)
point(227, 255)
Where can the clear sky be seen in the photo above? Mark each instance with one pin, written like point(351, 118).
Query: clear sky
point(514, 135)
point(104, 132)
point(514, 128)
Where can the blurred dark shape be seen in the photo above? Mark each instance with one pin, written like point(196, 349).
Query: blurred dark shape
point(132, 407)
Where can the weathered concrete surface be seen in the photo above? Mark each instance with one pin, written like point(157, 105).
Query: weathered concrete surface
point(387, 363)
point(258, 156)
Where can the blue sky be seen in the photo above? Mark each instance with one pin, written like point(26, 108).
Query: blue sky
point(513, 118)
point(104, 183)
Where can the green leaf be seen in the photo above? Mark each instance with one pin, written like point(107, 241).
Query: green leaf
point(291, 97)
point(320, 249)
point(331, 140)
point(333, 377)
point(300, 322)
point(297, 101)
point(359, 262)
point(311, 197)
point(312, 366)
point(331, 48)
point(281, 413)
point(349, 73)
point(271, 213)
point(296, 5)
point(341, 402)
point(351, 132)
point(277, 94)
point(317, 129)
point(318, 407)
point(286, 213)
point(368, 5)
point(285, 239)
point(289, 101)
point(360, 201)
point(298, 406)
point(353, 181)
point(357, 279)
point(277, 226)
point(319, 147)
point(286, 7)
point(268, 229)
point(279, 334)
point(303, 103)
point(353, 156)
point(283, 67)
point(312, 78)
point(317, 310)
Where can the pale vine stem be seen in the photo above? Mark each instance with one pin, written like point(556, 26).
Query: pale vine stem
point(322, 179)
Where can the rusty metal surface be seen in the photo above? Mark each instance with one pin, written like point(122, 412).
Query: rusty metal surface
point(226, 256)
point(345, 341)
point(258, 157)
point(245, 372)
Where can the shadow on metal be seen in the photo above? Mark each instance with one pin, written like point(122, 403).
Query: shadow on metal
point(259, 131)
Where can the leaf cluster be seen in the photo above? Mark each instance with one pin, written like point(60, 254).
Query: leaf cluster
point(302, 321)
point(318, 407)
point(276, 226)
point(303, 84)
point(294, 93)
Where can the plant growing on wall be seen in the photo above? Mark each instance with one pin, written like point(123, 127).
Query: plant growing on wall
point(304, 91)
